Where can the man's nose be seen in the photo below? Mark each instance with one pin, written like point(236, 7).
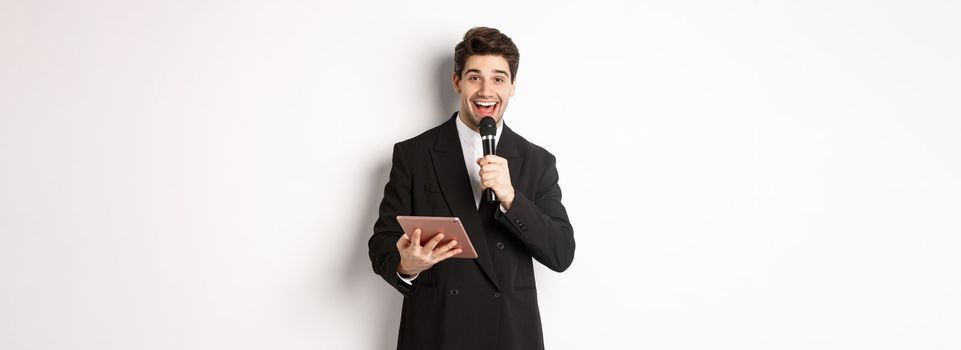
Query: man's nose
point(485, 91)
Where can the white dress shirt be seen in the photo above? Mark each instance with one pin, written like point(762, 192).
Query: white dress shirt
point(470, 144)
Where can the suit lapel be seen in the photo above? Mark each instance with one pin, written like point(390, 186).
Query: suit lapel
point(507, 148)
point(448, 160)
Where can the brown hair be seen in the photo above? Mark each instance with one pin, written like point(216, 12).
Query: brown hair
point(486, 41)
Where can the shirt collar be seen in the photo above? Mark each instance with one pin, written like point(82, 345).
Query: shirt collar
point(469, 137)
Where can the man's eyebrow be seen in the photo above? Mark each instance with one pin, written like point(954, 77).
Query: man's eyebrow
point(475, 70)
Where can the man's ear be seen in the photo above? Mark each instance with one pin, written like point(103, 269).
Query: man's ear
point(455, 81)
point(513, 87)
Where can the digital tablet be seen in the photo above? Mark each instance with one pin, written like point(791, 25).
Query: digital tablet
point(431, 225)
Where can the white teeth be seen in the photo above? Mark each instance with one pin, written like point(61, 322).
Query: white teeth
point(485, 104)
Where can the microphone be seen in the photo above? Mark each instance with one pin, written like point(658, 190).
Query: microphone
point(488, 129)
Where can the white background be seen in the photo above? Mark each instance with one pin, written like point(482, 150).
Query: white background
point(740, 175)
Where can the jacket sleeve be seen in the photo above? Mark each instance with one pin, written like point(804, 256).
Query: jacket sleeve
point(382, 245)
point(541, 223)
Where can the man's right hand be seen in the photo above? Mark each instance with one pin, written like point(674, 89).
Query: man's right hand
point(415, 258)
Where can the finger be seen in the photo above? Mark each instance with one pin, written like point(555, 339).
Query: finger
point(494, 159)
point(447, 255)
point(434, 241)
point(445, 248)
point(493, 167)
point(415, 239)
point(403, 242)
point(488, 176)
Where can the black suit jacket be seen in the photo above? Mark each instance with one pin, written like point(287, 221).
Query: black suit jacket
point(489, 302)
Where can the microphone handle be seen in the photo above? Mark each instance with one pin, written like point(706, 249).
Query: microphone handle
point(490, 196)
point(489, 148)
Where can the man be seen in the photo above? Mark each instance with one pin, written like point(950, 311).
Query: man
point(489, 302)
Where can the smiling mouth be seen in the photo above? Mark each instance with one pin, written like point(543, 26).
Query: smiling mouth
point(485, 108)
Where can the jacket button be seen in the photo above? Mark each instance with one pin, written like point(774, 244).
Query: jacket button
point(497, 294)
point(454, 291)
point(500, 245)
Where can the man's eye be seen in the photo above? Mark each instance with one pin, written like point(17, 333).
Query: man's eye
point(499, 80)
point(474, 78)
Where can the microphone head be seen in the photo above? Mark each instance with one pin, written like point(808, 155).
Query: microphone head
point(488, 127)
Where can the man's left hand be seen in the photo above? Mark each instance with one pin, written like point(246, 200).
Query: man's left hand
point(494, 174)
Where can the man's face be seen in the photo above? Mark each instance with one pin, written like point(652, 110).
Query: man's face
point(485, 87)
